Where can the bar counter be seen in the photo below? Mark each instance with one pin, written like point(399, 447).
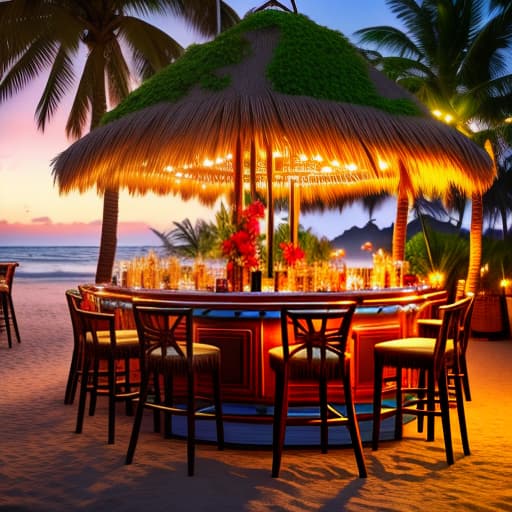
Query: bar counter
point(246, 325)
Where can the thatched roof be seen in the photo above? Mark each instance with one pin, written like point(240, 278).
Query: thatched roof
point(286, 85)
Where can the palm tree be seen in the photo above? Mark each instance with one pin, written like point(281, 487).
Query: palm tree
point(453, 57)
point(199, 240)
point(46, 37)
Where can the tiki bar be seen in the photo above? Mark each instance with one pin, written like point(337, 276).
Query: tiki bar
point(276, 112)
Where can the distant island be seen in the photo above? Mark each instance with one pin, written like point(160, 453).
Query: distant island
point(351, 240)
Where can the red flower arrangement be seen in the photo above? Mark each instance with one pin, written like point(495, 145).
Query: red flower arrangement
point(291, 253)
point(242, 245)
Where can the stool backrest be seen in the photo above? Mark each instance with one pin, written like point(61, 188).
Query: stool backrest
point(73, 298)
point(7, 269)
point(452, 327)
point(164, 329)
point(321, 331)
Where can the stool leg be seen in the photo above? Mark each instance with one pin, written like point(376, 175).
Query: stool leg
point(13, 318)
point(353, 425)
point(377, 402)
point(324, 430)
point(191, 425)
point(218, 408)
point(111, 401)
point(69, 395)
point(431, 406)
point(280, 415)
point(445, 416)
point(137, 421)
point(459, 396)
point(5, 310)
point(82, 397)
point(399, 420)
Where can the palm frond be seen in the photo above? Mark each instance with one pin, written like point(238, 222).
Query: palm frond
point(38, 57)
point(390, 39)
point(60, 80)
point(151, 48)
point(117, 73)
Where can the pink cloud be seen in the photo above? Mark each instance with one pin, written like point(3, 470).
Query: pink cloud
point(42, 231)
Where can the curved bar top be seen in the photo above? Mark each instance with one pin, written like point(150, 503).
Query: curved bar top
point(268, 301)
point(246, 325)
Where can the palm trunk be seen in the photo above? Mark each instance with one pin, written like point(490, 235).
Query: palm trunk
point(400, 228)
point(475, 244)
point(108, 243)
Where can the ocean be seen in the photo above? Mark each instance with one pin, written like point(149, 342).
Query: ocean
point(64, 262)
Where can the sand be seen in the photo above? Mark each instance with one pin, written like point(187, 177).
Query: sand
point(45, 466)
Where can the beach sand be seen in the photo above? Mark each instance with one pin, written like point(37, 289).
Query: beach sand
point(45, 466)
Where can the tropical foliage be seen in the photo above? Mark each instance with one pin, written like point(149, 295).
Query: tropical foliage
point(454, 56)
point(96, 51)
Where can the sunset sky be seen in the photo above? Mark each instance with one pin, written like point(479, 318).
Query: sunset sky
point(33, 213)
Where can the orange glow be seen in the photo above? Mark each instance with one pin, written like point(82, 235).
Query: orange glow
point(436, 279)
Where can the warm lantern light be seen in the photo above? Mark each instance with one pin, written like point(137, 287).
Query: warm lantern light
point(326, 168)
point(335, 163)
point(436, 279)
point(508, 120)
point(303, 158)
point(447, 118)
point(318, 158)
point(207, 162)
point(383, 166)
point(351, 167)
point(169, 168)
point(339, 253)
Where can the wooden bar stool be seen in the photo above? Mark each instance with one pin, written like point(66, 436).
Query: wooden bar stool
point(431, 357)
point(314, 342)
point(7, 270)
point(106, 370)
point(169, 353)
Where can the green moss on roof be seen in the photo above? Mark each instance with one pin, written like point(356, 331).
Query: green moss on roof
point(309, 60)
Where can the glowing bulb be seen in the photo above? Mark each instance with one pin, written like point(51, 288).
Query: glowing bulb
point(169, 168)
point(351, 167)
point(326, 168)
point(335, 163)
point(383, 166)
point(303, 158)
point(437, 113)
point(207, 162)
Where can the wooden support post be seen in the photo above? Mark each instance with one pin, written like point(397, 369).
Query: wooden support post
point(270, 213)
point(294, 211)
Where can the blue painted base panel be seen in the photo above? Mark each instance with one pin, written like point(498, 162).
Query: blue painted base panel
point(260, 434)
